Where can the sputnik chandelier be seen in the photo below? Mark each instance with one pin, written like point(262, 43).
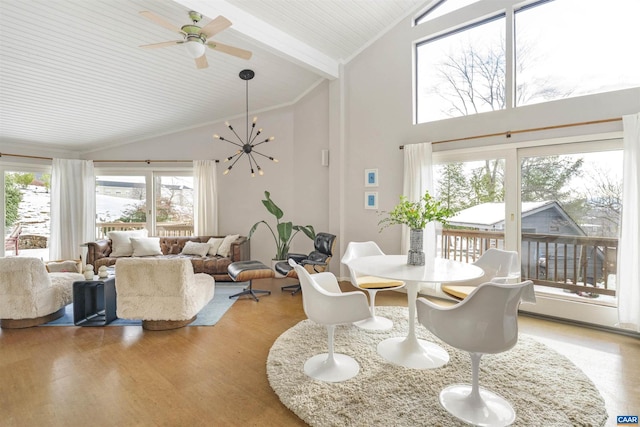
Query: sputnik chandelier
point(247, 146)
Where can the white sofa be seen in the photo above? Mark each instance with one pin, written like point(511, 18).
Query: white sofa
point(163, 293)
point(29, 295)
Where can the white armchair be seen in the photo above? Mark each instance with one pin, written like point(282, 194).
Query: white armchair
point(29, 295)
point(326, 304)
point(370, 284)
point(163, 293)
point(499, 266)
point(486, 322)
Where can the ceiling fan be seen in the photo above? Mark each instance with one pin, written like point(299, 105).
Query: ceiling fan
point(195, 37)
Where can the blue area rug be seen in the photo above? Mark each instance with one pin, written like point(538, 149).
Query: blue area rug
point(208, 316)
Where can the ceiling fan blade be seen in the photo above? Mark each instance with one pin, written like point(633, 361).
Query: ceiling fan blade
point(235, 51)
point(201, 62)
point(215, 26)
point(162, 44)
point(160, 21)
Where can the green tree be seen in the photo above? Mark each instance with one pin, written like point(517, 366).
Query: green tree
point(453, 186)
point(13, 197)
point(46, 179)
point(134, 213)
point(24, 179)
point(472, 79)
point(486, 182)
point(547, 178)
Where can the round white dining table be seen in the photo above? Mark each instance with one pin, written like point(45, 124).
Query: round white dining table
point(410, 351)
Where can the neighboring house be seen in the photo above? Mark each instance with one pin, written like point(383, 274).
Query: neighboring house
point(539, 221)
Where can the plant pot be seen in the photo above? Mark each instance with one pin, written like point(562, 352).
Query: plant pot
point(416, 252)
point(273, 267)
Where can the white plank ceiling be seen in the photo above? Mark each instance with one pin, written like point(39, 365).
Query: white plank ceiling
point(72, 75)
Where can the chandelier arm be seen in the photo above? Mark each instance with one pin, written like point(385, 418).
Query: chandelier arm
point(250, 155)
point(235, 161)
point(234, 143)
point(261, 142)
point(263, 155)
point(237, 136)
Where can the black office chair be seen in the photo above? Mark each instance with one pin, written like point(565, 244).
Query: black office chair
point(315, 262)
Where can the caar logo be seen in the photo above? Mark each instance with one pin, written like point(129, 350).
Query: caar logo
point(627, 419)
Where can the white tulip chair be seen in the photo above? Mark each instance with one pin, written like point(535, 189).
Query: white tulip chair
point(326, 304)
point(486, 322)
point(499, 266)
point(370, 284)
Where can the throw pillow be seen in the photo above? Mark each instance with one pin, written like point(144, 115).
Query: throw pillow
point(214, 244)
point(62, 267)
point(195, 248)
point(121, 241)
point(225, 246)
point(146, 246)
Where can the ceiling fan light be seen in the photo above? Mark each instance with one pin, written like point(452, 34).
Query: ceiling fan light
point(195, 49)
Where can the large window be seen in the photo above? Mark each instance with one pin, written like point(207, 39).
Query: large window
point(161, 202)
point(574, 47)
point(27, 213)
point(561, 49)
point(461, 73)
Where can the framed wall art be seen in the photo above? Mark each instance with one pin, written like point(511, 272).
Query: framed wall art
point(371, 200)
point(371, 177)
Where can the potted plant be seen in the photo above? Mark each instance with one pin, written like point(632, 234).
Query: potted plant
point(416, 216)
point(286, 230)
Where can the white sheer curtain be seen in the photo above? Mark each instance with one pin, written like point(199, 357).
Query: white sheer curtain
point(628, 275)
point(205, 203)
point(418, 178)
point(73, 207)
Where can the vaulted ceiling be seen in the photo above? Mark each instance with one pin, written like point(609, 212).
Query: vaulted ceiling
point(72, 75)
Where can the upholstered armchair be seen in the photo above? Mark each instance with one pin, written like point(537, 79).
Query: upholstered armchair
point(29, 295)
point(315, 262)
point(163, 293)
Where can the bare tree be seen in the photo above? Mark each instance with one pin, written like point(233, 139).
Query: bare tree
point(473, 79)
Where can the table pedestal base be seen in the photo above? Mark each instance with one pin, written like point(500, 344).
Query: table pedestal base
point(413, 353)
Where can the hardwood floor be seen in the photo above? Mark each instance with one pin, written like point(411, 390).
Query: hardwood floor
point(216, 376)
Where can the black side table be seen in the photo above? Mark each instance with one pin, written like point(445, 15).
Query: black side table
point(94, 302)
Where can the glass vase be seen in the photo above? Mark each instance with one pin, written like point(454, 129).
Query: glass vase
point(416, 252)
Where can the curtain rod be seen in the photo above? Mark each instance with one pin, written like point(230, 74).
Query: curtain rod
point(508, 133)
point(103, 161)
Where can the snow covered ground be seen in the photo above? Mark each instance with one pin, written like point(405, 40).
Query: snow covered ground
point(35, 209)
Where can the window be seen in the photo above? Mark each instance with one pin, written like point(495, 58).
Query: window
point(27, 207)
point(462, 73)
point(475, 191)
point(442, 7)
point(561, 49)
point(173, 204)
point(577, 199)
point(569, 48)
point(121, 203)
point(161, 202)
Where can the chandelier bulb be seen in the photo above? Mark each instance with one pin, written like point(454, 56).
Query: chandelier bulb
point(226, 171)
point(260, 171)
point(253, 175)
point(255, 119)
point(216, 136)
point(271, 138)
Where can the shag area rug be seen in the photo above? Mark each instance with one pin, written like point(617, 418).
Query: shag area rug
point(208, 316)
point(544, 387)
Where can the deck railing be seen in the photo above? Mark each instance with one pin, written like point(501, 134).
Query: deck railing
point(575, 263)
point(163, 229)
